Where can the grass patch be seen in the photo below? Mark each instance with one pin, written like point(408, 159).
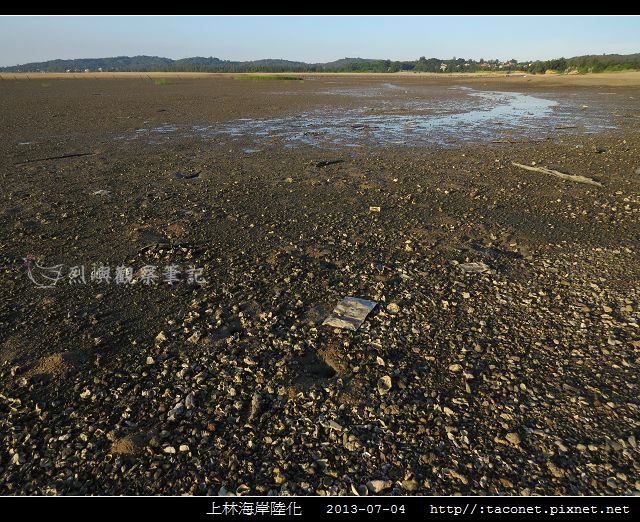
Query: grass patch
point(267, 77)
point(161, 82)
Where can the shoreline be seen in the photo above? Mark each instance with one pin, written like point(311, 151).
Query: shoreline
point(614, 79)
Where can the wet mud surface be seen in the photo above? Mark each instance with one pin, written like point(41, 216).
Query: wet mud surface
point(272, 201)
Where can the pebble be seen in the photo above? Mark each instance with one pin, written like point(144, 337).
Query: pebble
point(513, 438)
point(176, 412)
point(384, 385)
point(393, 308)
point(378, 486)
point(410, 485)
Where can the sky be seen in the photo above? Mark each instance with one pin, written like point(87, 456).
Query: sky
point(315, 39)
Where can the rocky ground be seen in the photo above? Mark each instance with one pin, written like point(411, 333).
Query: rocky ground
point(519, 379)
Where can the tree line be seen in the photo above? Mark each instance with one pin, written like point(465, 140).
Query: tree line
point(580, 64)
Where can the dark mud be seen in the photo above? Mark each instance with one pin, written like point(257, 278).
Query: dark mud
point(520, 379)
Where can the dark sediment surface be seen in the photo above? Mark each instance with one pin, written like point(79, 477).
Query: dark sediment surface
point(519, 379)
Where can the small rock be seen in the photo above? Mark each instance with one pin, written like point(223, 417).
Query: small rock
point(161, 337)
point(410, 485)
point(150, 360)
point(378, 486)
point(393, 308)
point(169, 449)
point(455, 368)
point(506, 483)
point(190, 401)
point(384, 385)
point(176, 412)
point(256, 406)
point(335, 426)
point(555, 470)
point(513, 438)
point(184, 448)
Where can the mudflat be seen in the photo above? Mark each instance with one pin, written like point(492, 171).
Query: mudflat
point(171, 247)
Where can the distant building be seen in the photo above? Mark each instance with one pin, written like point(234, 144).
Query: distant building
point(443, 67)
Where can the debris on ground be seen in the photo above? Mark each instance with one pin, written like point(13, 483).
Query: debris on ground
point(326, 163)
point(567, 177)
point(473, 268)
point(187, 175)
point(350, 313)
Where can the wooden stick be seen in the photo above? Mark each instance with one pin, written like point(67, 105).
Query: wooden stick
point(561, 175)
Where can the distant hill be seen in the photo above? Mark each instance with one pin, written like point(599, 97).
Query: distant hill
point(587, 63)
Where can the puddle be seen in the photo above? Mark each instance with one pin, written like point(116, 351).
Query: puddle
point(468, 116)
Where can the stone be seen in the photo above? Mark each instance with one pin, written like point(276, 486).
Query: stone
point(393, 308)
point(410, 485)
point(384, 385)
point(176, 412)
point(513, 438)
point(378, 486)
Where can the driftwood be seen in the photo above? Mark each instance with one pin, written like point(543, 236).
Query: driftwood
point(561, 175)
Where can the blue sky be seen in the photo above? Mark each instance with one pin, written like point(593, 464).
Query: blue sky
point(315, 39)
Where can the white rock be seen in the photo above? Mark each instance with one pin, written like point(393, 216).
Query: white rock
point(393, 308)
point(378, 486)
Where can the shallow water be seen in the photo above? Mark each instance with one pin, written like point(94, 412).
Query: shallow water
point(476, 116)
